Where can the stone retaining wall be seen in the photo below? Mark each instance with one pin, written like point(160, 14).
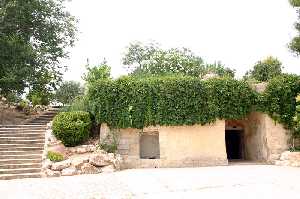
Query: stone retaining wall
point(289, 159)
point(180, 146)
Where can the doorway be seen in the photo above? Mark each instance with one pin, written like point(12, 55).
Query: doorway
point(234, 144)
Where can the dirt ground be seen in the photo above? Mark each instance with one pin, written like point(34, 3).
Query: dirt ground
point(234, 182)
point(12, 116)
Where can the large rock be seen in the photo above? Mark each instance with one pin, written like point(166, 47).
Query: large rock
point(100, 160)
point(83, 149)
point(50, 173)
point(108, 169)
point(78, 161)
point(47, 164)
point(117, 161)
point(87, 168)
point(69, 172)
point(58, 166)
point(285, 155)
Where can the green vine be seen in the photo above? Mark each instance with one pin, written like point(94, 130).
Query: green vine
point(132, 102)
point(177, 100)
point(279, 99)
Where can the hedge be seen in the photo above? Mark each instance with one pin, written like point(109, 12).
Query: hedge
point(132, 102)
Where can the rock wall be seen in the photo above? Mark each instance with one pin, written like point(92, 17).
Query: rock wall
point(288, 158)
point(264, 139)
point(180, 146)
point(84, 159)
point(255, 138)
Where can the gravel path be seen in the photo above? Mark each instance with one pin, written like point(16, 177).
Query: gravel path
point(244, 181)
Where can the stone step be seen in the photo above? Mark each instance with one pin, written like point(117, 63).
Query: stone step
point(20, 166)
point(22, 126)
point(22, 148)
point(42, 120)
point(19, 171)
point(33, 141)
point(23, 135)
point(39, 137)
point(19, 176)
point(47, 115)
point(45, 118)
point(33, 123)
point(17, 157)
point(30, 127)
point(21, 131)
point(24, 129)
point(12, 146)
point(13, 152)
point(19, 161)
point(39, 122)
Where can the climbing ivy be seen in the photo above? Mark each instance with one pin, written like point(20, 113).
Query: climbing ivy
point(135, 102)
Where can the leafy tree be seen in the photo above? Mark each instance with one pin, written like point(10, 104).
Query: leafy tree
point(137, 53)
point(219, 69)
point(68, 91)
point(33, 37)
point(97, 72)
point(265, 70)
point(150, 59)
point(295, 43)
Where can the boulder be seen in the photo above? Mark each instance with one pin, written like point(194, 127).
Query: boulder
point(69, 172)
point(99, 160)
point(285, 155)
point(77, 162)
point(58, 166)
point(58, 147)
point(51, 173)
point(47, 164)
point(83, 149)
point(108, 169)
point(118, 161)
point(87, 168)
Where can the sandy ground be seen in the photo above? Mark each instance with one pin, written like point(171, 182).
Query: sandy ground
point(234, 182)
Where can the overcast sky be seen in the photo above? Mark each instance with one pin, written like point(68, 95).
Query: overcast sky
point(236, 32)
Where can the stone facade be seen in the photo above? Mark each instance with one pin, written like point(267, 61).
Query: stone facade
point(191, 146)
point(179, 146)
point(264, 139)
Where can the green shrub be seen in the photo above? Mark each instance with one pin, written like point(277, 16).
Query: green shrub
point(55, 156)
point(72, 128)
point(22, 105)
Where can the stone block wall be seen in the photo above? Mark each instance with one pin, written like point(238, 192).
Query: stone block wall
point(180, 146)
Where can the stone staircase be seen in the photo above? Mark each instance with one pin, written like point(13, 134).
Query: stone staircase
point(21, 147)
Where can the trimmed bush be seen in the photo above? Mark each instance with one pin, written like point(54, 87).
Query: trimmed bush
point(55, 156)
point(72, 128)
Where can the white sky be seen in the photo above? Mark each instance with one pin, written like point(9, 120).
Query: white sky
point(236, 32)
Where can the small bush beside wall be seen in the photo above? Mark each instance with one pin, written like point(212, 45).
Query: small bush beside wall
point(72, 128)
point(54, 156)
